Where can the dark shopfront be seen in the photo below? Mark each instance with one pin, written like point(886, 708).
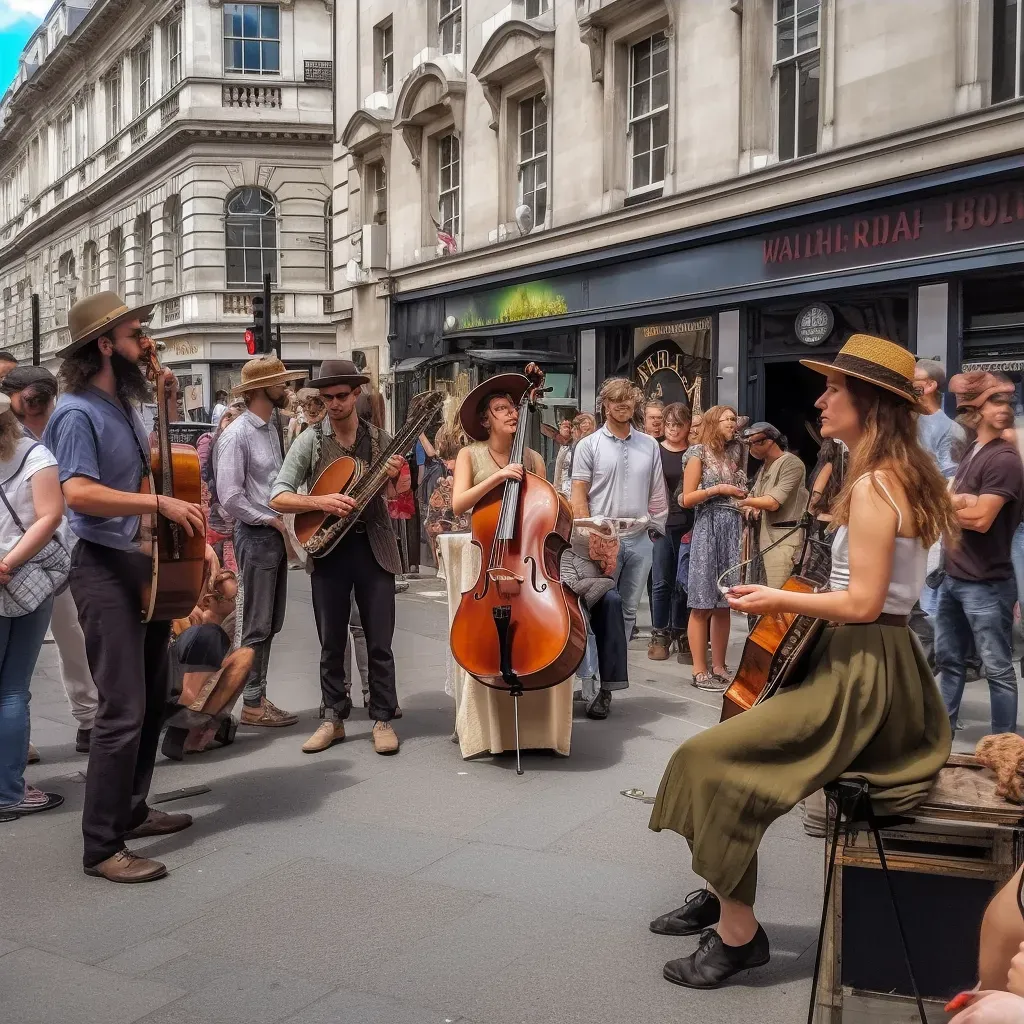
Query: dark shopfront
point(935, 263)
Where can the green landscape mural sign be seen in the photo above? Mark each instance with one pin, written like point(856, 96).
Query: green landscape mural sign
point(533, 300)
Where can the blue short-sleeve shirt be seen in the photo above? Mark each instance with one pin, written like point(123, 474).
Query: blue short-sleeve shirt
point(94, 435)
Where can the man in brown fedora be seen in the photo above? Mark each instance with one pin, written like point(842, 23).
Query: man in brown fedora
point(102, 451)
point(249, 456)
point(364, 562)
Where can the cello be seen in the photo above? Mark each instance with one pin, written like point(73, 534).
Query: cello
point(519, 627)
point(179, 561)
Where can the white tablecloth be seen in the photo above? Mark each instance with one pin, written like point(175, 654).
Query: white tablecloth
point(484, 717)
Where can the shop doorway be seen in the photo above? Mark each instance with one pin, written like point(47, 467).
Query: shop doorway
point(790, 391)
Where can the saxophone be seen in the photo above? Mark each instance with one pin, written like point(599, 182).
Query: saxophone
point(363, 483)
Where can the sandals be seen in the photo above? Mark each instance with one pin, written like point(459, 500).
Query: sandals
point(34, 801)
point(710, 682)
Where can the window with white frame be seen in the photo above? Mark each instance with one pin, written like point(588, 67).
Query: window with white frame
point(142, 77)
point(449, 26)
point(378, 177)
point(449, 184)
point(252, 38)
point(65, 131)
point(1007, 49)
point(172, 50)
point(385, 45)
point(118, 255)
point(251, 236)
point(90, 268)
point(112, 95)
point(798, 74)
point(535, 8)
point(648, 112)
point(175, 240)
point(533, 156)
point(144, 245)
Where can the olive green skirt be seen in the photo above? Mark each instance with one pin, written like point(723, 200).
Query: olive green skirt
point(869, 707)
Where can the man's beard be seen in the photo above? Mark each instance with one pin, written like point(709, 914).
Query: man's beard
point(132, 385)
point(281, 402)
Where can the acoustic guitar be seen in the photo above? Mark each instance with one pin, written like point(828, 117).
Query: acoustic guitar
point(773, 653)
point(179, 561)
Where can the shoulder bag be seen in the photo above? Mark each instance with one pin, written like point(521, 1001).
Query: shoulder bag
point(43, 576)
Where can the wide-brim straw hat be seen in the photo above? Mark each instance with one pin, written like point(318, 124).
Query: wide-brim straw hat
point(339, 371)
point(265, 372)
point(513, 384)
point(873, 360)
point(95, 315)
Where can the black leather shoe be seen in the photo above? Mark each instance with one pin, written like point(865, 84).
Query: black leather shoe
point(714, 962)
point(701, 910)
point(600, 706)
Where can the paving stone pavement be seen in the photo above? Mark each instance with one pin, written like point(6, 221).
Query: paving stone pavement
point(347, 888)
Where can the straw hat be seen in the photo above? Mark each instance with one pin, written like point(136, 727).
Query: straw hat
point(98, 314)
point(265, 372)
point(514, 384)
point(875, 360)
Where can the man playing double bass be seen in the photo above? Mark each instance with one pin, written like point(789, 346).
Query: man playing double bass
point(102, 453)
point(365, 560)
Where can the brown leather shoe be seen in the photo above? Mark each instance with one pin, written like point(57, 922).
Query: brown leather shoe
point(126, 866)
point(267, 716)
point(385, 739)
point(659, 646)
point(160, 823)
point(329, 732)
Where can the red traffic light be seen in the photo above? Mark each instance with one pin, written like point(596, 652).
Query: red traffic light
point(250, 341)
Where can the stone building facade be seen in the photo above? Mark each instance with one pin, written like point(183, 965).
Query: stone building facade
point(173, 151)
point(602, 183)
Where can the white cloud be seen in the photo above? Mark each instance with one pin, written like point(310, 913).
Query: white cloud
point(12, 11)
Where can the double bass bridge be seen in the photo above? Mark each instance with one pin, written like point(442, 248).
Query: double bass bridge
point(508, 583)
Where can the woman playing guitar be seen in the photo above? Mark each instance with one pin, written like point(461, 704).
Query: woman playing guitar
point(868, 704)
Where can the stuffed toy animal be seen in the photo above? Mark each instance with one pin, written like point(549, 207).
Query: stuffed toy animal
point(1004, 755)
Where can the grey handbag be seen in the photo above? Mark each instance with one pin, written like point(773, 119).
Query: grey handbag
point(43, 576)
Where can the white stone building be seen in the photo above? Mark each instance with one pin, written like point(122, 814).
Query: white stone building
point(173, 151)
point(677, 189)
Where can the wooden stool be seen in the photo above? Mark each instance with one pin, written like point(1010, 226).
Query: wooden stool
point(852, 801)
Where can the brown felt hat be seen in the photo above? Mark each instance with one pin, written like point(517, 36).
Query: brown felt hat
point(514, 384)
point(95, 315)
point(339, 371)
point(974, 388)
point(265, 372)
point(874, 360)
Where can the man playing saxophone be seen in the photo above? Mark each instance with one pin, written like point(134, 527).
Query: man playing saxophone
point(364, 562)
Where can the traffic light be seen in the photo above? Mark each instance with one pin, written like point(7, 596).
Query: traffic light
point(259, 324)
point(250, 341)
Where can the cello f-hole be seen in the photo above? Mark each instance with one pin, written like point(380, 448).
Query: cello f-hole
point(534, 573)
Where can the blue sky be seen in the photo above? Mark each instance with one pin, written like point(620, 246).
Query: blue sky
point(18, 20)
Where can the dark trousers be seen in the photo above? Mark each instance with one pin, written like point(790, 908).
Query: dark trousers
point(609, 630)
point(350, 570)
point(263, 568)
point(668, 600)
point(129, 664)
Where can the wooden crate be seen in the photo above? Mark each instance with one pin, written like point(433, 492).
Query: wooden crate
point(964, 844)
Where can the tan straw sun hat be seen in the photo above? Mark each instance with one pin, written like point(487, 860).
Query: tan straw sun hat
point(265, 372)
point(98, 314)
point(875, 360)
point(473, 405)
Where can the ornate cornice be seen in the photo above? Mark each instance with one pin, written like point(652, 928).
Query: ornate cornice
point(513, 49)
point(432, 90)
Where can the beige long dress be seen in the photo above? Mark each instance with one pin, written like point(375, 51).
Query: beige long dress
point(484, 717)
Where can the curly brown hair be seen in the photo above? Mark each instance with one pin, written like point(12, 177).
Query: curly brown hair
point(708, 433)
point(10, 434)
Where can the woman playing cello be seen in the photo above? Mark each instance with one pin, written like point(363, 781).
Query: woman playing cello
point(868, 704)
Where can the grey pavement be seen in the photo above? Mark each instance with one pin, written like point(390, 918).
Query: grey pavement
point(419, 889)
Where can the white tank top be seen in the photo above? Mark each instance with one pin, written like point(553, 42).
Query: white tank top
point(909, 565)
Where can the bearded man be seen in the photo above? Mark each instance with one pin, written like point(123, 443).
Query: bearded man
point(249, 457)
point(102, 453)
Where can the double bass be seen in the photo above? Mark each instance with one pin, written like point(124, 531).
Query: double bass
point(178, 560)
point(519, 627)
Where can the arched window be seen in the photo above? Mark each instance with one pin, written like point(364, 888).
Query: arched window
point(144, 243)
point(67, 280)
point(175, 242)
point(117, 260)
point(250, 237)
point(90, 268)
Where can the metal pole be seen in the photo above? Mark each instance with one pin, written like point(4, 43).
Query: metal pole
point(267, 342)
point(35, 330)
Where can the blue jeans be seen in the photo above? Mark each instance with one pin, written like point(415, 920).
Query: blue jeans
point(983, 611)
point(20, 642)
point(1017, 557)
point(635, 556)
point(668, 599)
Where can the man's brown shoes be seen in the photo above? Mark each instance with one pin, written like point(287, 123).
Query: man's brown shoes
point(267, 716)
point(126, 866)
point(385, 739)
point(331, 731)
point(160, 823)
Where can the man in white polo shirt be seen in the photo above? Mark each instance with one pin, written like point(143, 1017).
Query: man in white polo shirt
point(616, 471)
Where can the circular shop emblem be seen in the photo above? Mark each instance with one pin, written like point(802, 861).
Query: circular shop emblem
point(814, 323)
